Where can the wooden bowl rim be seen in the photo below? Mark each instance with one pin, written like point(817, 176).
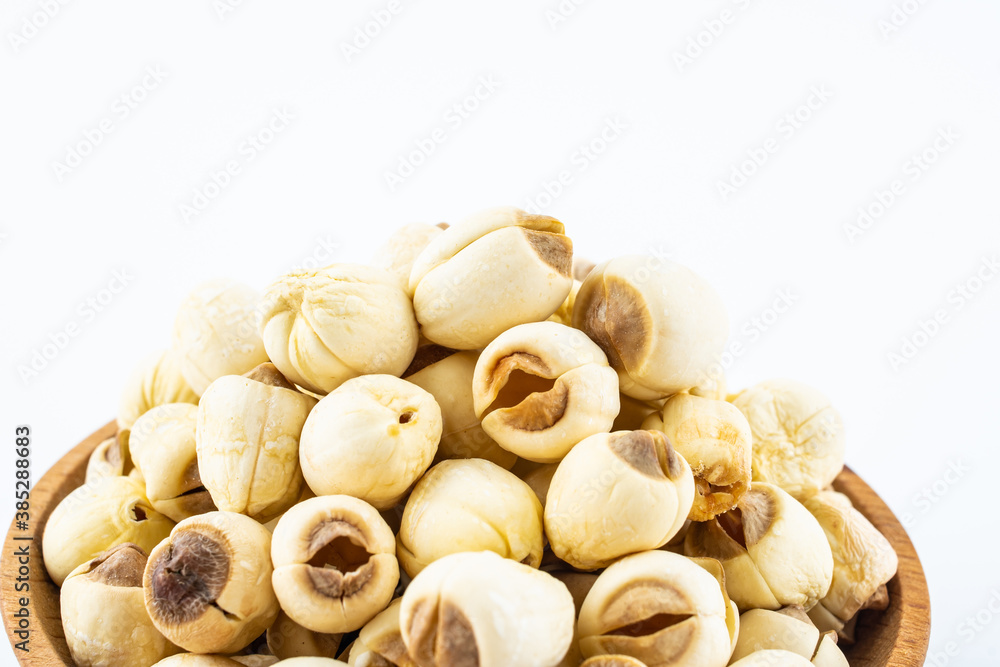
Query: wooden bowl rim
point(909, 604)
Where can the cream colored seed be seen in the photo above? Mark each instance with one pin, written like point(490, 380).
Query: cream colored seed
point(542, 387)
point(469, 505)
point(496, 269)
point(166, 456)
point(714, 438)
point(215, 333)
point(206, 586)
point(661, 325)
point(447, 374)
point(773, 550)
point(659, 608)
point(97, 517)
point(103, 615)
point(798, 437)
point(399, 252)
point(248, 442)
point(762, 630)
point(476, 608)
point(371, 438)
point(616, 494)
point(155, 381)
point(324, 327)
point(863, 560)
point(334, 567)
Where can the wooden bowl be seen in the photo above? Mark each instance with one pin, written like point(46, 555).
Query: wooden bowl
point(896, 637)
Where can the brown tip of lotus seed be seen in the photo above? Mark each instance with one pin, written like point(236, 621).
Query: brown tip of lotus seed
point(426, 356)
point(456, 640)
point(617, 320)
point(442, 635)
point(796, 612)
point(112, 452)
point(188, 577)
point(423, 631)
point(649, 452)
point(442, 225)
point(878, 600)
point(121, 566)
point(556, 250)
point(390, 649)
point(539, 410)
point(267, 373)
point(758, 510)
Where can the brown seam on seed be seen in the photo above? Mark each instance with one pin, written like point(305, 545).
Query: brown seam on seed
point(556, 250)
point(121, 566)
point(456, 645)
point(758, 513)
point(267, 373)
point(427, 355)
point(648, 452)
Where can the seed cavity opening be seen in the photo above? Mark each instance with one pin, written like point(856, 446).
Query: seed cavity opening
point(343, 554)
point(406, 417)
point(539, 410)
point(139, 513)
point(649, 626)
point(515, 376)
point(732, 523)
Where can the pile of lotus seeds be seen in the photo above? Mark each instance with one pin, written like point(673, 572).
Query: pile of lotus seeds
point(473, 451)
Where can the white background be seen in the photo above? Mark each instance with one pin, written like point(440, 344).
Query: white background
point(887, 92)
